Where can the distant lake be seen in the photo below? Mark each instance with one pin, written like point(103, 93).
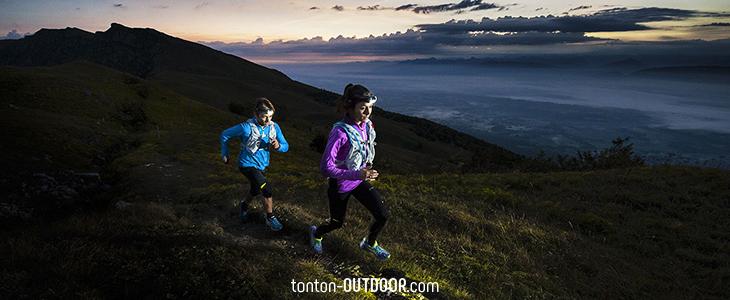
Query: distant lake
point(557, 110)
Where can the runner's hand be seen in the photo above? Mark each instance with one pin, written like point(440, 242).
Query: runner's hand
point(275, 144)
point(225, 159)
point(368, 174)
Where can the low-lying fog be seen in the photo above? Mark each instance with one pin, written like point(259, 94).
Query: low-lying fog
point(674, 115)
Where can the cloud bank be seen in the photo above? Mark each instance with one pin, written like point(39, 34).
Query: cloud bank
point(13, 35)
point(472, 35)
point(458, 7)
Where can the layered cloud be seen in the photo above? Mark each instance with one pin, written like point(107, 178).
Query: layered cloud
point(617, 19)
point(374, 7)
point(582, 7)
point(434, 39)
point(458, 7)
point(716, 24)
point(406, 7)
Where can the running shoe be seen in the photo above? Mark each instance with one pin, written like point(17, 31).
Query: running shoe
point(315, 242)
point(375, 249)
point(274, 223)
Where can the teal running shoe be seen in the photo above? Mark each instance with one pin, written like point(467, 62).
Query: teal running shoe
point(315, 242)
point(375, 249)
point(274, 223)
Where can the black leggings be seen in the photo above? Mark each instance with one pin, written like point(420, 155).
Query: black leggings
point(259, 184)
point(367, 195)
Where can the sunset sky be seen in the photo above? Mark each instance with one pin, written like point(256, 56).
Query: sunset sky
point(398, 28)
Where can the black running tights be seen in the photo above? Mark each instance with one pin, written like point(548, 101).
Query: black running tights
point(366, 194)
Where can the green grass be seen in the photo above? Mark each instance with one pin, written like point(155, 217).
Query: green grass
point(618, 233)
point(650, 232)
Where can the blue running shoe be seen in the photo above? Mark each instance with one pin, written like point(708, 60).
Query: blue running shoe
point(274, 223)
point(315, 242)
point(375, 249)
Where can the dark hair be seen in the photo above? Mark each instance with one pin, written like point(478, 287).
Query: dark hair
point(353, 94)
point(263, 104)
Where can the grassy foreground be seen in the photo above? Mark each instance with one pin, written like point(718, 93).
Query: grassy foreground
point(168, 227)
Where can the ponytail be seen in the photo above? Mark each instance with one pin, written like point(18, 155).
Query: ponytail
point(342, 102)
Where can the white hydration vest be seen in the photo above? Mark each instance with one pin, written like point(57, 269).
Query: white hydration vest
point(254, 140)
point(359, 150)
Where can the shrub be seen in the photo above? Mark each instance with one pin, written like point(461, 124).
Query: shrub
point(619, 155)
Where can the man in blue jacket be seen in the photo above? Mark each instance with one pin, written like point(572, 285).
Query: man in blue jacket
point(259, 135)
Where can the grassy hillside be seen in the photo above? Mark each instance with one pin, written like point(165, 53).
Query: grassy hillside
point(166, 226)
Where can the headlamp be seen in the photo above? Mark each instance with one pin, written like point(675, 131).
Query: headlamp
point(367, 97)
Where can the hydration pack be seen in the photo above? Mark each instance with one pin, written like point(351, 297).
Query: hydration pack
point(360, 151)
point(254, 140)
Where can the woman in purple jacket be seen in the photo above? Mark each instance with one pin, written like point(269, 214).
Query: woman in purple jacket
point(347, 161)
